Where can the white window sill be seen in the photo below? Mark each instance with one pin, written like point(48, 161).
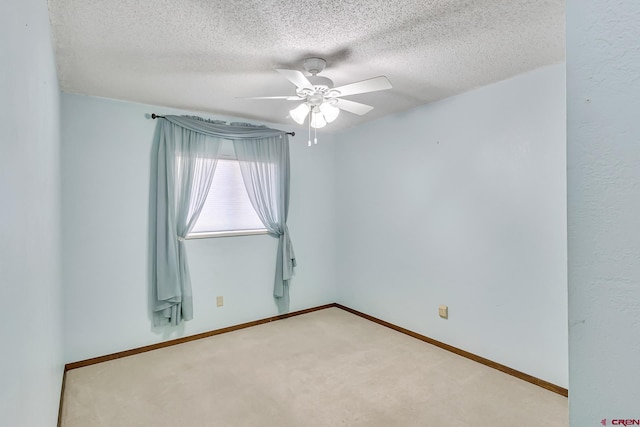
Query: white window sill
point(210, 234)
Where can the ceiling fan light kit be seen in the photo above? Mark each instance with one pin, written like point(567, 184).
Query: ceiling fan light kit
point(321, 101)
point(317, 120)
point(329, 110)
point(300, 113)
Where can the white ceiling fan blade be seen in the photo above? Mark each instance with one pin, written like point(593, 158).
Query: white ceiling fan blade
point(353, 107)
point(287, 97)
point(364, 86)
point(297, 78)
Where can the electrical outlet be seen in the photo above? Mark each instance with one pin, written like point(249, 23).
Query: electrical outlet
point(220, 301)
point(443, 310)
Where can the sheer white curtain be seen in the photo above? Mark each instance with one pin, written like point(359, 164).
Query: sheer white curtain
point(264, 164)
point(188, 148)
point(186, 163)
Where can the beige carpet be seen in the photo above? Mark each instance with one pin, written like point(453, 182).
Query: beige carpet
point(326, 368)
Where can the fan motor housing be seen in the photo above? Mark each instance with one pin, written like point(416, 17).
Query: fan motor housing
point(319, 81)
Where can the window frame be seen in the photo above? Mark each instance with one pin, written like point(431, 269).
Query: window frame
point(214, 234)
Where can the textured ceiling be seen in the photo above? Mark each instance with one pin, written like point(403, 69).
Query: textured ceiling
point(202, 54)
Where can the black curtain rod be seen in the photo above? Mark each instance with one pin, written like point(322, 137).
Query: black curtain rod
point(155, 116)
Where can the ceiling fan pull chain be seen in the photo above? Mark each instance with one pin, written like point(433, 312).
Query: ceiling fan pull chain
point(309, 128)
point(315, 135)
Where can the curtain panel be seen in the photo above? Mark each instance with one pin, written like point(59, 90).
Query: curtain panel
point(264, 166)
point(188, 149)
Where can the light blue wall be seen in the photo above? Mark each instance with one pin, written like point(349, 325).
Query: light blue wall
point(603, 104)
point(463, 202)
point(30, 331)
point(106, 157)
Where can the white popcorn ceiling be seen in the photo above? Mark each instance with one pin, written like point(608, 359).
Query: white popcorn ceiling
point(202, 55)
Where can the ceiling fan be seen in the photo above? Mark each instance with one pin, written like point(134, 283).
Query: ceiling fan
point(322, 102)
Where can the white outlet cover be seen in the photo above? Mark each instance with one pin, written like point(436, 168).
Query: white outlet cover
point(443, 310)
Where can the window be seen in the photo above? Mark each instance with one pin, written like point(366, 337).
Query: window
point(227, 210)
